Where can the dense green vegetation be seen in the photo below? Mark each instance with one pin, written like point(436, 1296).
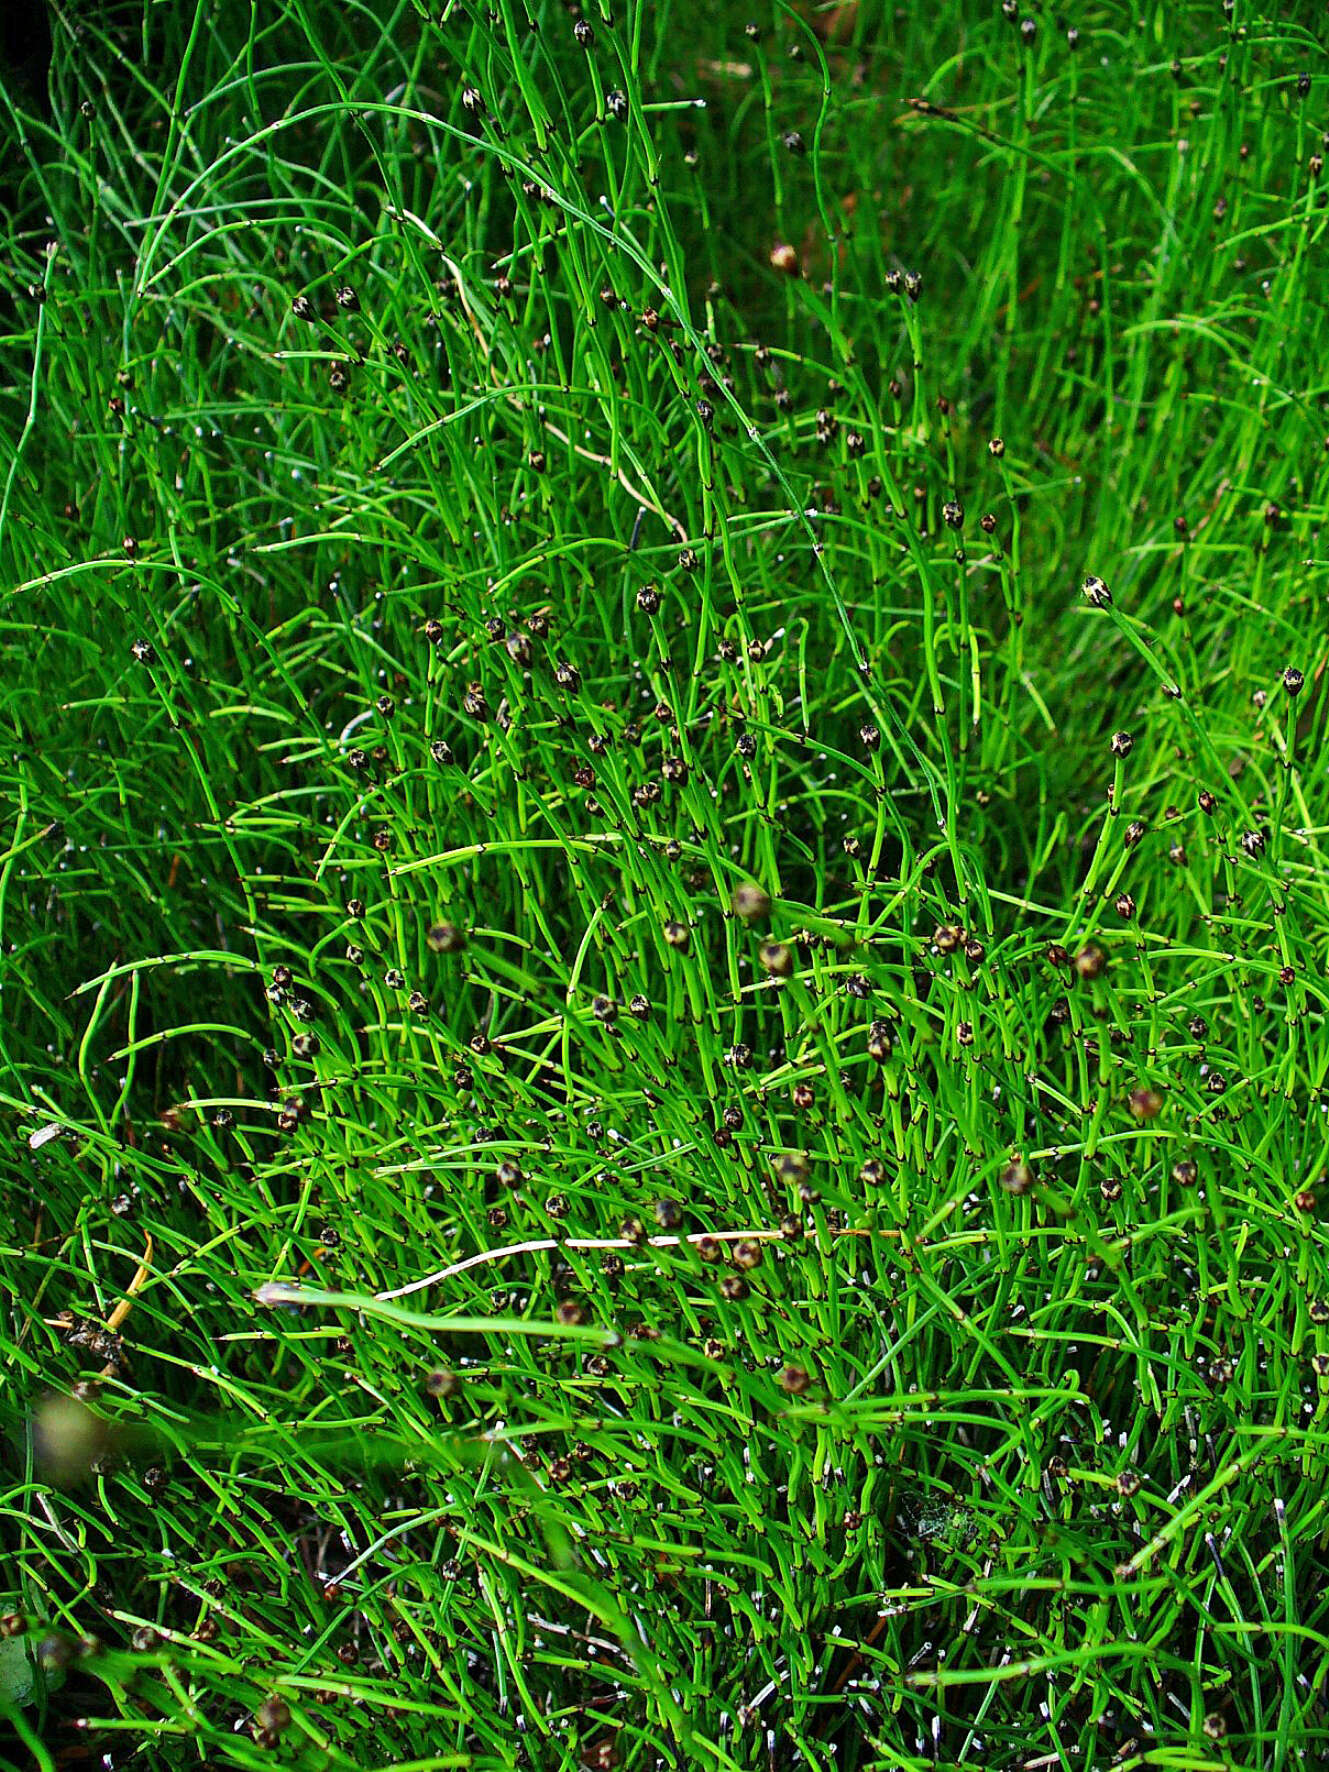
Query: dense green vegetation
point(663, 914)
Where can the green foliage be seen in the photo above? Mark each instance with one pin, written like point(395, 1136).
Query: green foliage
point(18, 1674)
point(528, 1306)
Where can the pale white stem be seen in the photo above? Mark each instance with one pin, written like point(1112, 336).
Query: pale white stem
point(542, 1243)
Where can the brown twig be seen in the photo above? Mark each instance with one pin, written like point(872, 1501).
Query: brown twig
point(126, 1304)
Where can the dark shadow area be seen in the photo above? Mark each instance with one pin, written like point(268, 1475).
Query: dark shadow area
point(25, 52)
